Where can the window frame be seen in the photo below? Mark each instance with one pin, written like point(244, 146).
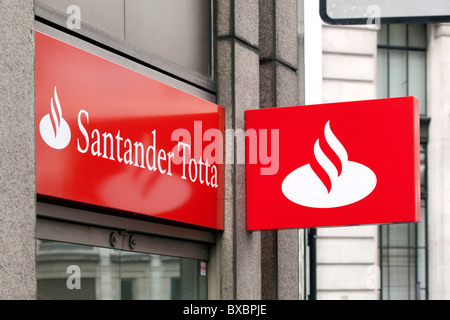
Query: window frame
point(73, 225)
point(406, 48)
point(57, 20)
point(412, 248)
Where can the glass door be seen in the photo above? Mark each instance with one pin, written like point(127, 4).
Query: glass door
point(131, 267)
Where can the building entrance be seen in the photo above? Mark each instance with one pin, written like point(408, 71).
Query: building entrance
point(90, 262)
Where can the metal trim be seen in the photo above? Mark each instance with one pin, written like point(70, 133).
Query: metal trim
point(54, 230)
point(63, 231)
point(69, 214)
point(386, 20)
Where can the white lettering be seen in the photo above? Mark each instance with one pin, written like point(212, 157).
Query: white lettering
point(74, 280)
point(206, 172)
point(129, 153)
point(138, 146)
point(170, 156)
point(214, 150)
point(247, 309)
point(185, 136)
point(192, 164)
point(274, 157)
point(96, 144)
point(118, 139)
point(105, 137)
point(192, 310)
point(74, 20)
point(161, 156)
point(198, 139)
point(200, 164)
point(184, 146)
point(151, 148)
point(116, 147)
point(214, 183)
point(83, 131)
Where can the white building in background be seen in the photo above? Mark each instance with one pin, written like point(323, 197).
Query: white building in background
point(405, 261)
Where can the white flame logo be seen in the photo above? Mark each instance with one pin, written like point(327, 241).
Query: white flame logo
point(344, 182)
point(53, 128)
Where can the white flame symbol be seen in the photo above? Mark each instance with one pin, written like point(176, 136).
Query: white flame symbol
point(344, 183)
point(54, 129)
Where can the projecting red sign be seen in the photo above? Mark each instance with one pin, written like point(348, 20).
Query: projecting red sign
point(110, 137)
point(337, 164)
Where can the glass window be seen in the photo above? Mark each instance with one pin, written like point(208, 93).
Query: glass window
point(402, 62)
point(403, 247)
point(382, 71)
point(397, 35)
point(417, 36)
point(383, 36)
point(398, 85)
point(177, 31)
point(417, 75)
point(71, 271)
point(105, 15)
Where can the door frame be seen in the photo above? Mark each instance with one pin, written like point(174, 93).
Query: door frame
point(66, 224)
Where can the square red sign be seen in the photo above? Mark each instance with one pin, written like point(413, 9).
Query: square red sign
point(334, 164)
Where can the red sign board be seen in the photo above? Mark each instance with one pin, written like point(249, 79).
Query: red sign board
point(333, 164)
point(108, 136)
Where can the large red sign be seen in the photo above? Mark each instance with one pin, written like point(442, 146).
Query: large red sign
point(108, 136)
point(333, 164)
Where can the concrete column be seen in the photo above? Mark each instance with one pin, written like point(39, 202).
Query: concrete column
point(17, 151)
point(256, 67)
point(237, 70)
point(278, 53)
point(438, 109)
point(278, 39)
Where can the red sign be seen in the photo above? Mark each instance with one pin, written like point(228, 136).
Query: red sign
point(334, 164)
point(110, 137)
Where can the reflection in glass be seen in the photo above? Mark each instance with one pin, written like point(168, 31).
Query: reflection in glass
point(398, 85)
point(382, 71)
point(397, 35)
point(417, 77)
point(106, 274)
point(417, 36)
point(177, 30)
point(401, 69)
